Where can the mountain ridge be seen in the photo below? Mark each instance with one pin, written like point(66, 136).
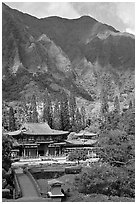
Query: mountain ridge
point(50, 50)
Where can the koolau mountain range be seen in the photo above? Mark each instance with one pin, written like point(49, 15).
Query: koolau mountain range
point(63, 55)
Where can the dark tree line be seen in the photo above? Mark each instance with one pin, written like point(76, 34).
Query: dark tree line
point(60, 113)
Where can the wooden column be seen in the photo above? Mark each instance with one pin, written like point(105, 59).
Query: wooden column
point(24, 152)
point(47, 153)
point(55, 152)
point(37, 151)
point(59, 150)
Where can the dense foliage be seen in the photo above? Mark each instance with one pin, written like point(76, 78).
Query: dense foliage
point(117, 148)
point(12, 125)
point(7, 143)
point(106, 179)
point(77, 155)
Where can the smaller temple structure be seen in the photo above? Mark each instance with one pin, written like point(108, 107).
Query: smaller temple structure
point(55, 190)
point(83, 140)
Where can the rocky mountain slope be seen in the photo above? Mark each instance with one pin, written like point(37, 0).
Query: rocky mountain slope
point(62, 55)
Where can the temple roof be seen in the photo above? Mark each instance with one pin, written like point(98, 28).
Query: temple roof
point(37, 129)
point(54, 182)
point(81, 142)
point(17, 132)
point(86, 133)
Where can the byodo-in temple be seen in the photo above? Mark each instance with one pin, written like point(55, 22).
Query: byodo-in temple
point(38, 139)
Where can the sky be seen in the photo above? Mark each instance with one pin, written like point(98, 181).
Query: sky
point(120, 15)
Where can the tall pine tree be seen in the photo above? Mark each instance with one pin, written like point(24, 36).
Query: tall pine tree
point(34, 109)
point(83, 114)
point(12, 124)
point(117, 105)
point(56, 121)
point(72, 109)
point(5, 117)
point(65, 118)
point(104, 110)
point(47, 112)
point(78, 120)
point(46, 105)
point(104, 104)
point(130, 105)
point(25, 109)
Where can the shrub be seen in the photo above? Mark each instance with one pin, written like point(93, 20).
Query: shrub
point(78, 155)
point(106, 179)
point(73, 170)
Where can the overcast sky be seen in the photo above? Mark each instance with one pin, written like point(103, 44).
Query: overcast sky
point(120, 15)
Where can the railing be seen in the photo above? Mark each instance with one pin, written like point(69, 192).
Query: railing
point(44, 156)
point(24, 141)
point(29, 157)
point(18, 192)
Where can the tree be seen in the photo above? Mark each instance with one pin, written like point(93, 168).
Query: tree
point(113, 118)
point(107, 84)
point(48, 109)
point(72, 109)
point(20, 116)
point(29, 113)
point(50, 114)
point(83, 113)
point(34, 109)
point(46, 104)
point(104, 105)
point(78, 155)
point(130, 105)
point(133, 103)
point(110, 120)
point(78, 120)
point(56, 120)
point(5, 117)
point(25, 109)
point(7, 142)
point(12, 125)
point(117, 105)
point(65, 118)
point(127, 122)
point(116, 147)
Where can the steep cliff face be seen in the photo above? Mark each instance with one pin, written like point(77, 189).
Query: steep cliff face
point(60, 54)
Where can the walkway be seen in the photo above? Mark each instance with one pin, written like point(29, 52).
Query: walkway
point(27, 187)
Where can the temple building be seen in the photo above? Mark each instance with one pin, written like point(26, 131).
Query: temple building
point(38, 139)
